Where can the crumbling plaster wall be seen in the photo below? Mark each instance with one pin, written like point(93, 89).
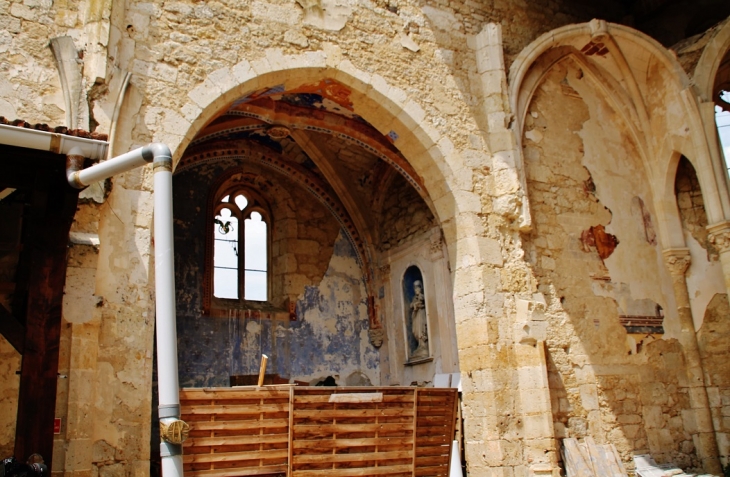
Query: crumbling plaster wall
point(173, 48)
point(450, 116)
point(583, 171)
point(312, 262)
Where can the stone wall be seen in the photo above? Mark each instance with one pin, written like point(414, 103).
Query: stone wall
point(713, 342)
point(433, 74)
point(9, 385)
point(591, 249)
point(404, 215)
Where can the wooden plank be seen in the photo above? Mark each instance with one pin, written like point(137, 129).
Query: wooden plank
point(339, 443)
point(52, 211)
point(237, 471)
point(350, 413)
point(431, 451)
point(432, 471)
point(356, 397)
point(602, 463)
point(354, 472)
point(240, 409)
point(576, 464)
point(290, 444)
point(351, 457)
point(433, 440)
point(233, 393)
point(431, 461)
point(235, 456)
point(324, 398)
point(236, 440)
point(619, 462)
point(238, 425)
point(302, 429)
point(415, 429)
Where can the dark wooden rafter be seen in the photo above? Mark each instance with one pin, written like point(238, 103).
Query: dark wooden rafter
point(41, 276)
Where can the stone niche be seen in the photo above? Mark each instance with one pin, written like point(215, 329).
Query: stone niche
point(422, 259)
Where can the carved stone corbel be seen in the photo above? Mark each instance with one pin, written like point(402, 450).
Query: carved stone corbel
point(719, 236)
point(677, 261)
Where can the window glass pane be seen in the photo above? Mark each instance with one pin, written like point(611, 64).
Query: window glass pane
point(225, 283)
point(255, 285)
point(225, 199)
point(722, 118)
point(225, 255)
point(255, 242)
point(241, 201)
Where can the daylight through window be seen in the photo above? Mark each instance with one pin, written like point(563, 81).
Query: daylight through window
point(722, 119)
point(240, 250)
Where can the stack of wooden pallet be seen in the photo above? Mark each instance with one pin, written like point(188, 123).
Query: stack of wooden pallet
point(318, 431)
point(588, 459)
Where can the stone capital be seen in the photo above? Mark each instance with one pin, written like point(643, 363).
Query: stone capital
point(719, 235)
point(677, 260)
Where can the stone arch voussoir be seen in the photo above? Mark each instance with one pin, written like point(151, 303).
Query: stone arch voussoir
point(372, 96)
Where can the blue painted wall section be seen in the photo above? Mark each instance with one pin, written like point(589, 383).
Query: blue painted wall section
point(329, 337)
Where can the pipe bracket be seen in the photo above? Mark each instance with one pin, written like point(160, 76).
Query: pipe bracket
point(165, 165)
point(174, 431)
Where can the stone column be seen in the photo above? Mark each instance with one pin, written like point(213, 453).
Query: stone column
point(720, 238)
point(703, 433)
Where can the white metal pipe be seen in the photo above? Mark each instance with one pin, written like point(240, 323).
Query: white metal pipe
point(165, 285)
point(167, 378)
point(168, 384)
point(172, 466)
point(106, 169)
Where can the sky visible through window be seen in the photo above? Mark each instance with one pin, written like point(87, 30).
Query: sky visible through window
point(226, 260)
point(722, 118)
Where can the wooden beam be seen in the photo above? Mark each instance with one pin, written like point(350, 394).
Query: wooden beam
point(52, 211)
point(12, 329)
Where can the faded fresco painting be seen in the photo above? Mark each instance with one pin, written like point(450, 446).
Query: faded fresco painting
point(415, 311)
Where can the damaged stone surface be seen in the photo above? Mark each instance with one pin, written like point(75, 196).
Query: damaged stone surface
point(542, 202)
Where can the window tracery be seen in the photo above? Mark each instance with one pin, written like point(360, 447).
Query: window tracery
point(238, 244)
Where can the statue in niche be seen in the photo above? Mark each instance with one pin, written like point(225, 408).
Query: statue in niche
point(416, 320)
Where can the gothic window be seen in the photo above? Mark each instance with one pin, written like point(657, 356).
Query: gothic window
point(239, 265)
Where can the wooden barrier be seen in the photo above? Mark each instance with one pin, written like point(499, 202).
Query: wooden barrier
point(318, 431)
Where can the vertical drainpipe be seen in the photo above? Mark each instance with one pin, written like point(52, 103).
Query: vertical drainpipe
point(173, 431)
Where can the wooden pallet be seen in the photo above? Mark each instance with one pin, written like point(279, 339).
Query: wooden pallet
point(236, 431)
point(435, 427)
point(318, 431)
